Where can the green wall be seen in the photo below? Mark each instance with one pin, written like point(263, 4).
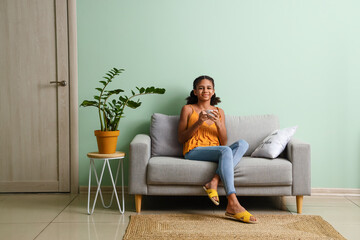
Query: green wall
point(298, 59)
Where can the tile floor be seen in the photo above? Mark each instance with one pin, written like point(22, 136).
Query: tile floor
point(64, 216)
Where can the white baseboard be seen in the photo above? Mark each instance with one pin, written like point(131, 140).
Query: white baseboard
point(314, 191)
point(335, 191)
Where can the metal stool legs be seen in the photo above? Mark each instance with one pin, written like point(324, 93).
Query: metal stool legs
point(106, 163)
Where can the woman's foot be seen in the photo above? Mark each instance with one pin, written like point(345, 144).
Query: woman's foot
point(234, 207)
point(213, 184)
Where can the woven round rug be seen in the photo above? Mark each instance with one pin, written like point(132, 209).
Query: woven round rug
point(207, 226)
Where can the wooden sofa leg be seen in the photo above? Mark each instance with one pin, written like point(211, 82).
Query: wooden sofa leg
point(138, 203)
point(299, 203)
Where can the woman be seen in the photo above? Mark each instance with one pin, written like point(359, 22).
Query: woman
point(202, 132)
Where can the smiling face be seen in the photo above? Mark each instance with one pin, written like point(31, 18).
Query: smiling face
point(204, 90)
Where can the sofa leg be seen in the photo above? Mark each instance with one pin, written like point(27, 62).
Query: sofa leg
point(138, 203)
point(299, 203)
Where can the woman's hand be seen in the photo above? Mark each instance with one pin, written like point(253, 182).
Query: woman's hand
point(218, 117)
point(203, 116)
point(215, 117)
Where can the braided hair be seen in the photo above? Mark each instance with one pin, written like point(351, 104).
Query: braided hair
point(193, 99)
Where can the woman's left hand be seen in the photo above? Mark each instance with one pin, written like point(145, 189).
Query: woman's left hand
point(218, 117)
point(215, 117)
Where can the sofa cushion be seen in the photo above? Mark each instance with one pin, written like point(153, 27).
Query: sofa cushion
point(249, 172)
point(275, 143)
point(163, 133)
point(179, 171)
point(252, 129)
point(263, 172)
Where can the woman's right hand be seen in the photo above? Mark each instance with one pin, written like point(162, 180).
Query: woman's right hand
point(203, 116)
point(185, 133)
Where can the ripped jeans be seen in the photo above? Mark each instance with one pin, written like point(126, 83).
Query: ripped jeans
point(227, 158)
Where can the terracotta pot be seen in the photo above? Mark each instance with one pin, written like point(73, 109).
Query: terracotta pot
point(107, 141)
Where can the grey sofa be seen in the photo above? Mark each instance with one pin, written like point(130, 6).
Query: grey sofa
point(157, 167)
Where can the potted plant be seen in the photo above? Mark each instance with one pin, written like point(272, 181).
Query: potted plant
point(111, 111)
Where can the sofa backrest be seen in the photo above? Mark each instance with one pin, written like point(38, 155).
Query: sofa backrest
point(253, 129)
point(163, 133)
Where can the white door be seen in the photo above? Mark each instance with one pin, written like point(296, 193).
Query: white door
point(34, 113)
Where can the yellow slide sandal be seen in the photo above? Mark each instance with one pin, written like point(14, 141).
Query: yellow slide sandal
point(241, 216)
point(212, 193)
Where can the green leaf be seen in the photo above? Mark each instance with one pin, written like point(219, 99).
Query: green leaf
point(87, 103)
point(116, 91)
point(123, 99)
point(149, 90)
point(99, 89)
point(154, 90)
point(103, 82)
point(159, 90)
point(97, 97)
point(133, 104)
point(133, 93)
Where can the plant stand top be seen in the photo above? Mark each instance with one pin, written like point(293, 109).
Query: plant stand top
point(99, 155)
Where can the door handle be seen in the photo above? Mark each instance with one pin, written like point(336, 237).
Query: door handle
point(62, 83)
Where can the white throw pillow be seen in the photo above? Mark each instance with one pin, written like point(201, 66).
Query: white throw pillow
point(275, 143)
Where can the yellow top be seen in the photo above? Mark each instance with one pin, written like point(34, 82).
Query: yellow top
point(205, 136)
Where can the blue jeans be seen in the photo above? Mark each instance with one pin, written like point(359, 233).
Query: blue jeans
point(226, 156)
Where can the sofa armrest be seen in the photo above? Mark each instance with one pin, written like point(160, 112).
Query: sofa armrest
point(299, 153)
point(140, 152)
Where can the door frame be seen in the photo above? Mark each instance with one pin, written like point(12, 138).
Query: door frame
point(73, 88)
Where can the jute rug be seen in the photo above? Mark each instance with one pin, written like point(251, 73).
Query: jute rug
point(198, 226)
